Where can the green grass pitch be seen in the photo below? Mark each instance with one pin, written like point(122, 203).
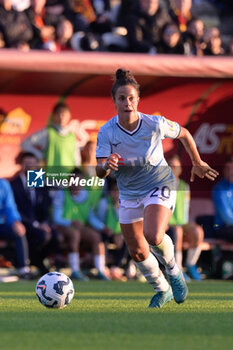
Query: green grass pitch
point(114, 315)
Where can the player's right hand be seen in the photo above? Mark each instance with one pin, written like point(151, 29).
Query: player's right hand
point(112, 162)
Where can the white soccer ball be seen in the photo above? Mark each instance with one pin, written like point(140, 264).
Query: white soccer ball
point(55, 290)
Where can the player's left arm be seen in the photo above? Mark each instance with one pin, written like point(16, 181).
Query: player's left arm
point(199, 168)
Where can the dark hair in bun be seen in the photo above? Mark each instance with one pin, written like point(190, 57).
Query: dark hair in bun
point(122, 78)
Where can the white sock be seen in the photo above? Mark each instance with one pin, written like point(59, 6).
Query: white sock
point(99, 262)
point(179, 258)
point(74, 261)
point(193, 255)
point(150, 270)
point(164, 252)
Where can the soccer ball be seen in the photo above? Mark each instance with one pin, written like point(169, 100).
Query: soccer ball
point(55, 290)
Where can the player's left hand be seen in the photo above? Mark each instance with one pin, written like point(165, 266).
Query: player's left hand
point(202, 169)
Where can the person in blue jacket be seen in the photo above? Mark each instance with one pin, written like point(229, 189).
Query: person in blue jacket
point(12, 229)
point(223, 202)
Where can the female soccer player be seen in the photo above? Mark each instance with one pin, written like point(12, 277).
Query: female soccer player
point(131, 144)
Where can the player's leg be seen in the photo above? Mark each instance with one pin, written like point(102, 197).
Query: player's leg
point(92, 238)
point(146, 262)
point(156, 218)
point(193, 235)
point(176, 233)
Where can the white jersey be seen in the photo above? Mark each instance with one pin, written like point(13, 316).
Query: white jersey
point(142, 166)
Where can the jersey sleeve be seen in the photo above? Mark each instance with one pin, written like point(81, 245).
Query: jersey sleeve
point(103, 147)
point(168, 128)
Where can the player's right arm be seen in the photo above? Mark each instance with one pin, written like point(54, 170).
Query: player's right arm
point(106, 161)
point(105, 165)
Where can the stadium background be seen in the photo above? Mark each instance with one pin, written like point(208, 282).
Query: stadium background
point(197, 92)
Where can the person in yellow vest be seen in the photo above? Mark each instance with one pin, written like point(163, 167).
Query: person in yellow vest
point(107, 212)
point(185, 231)
point(77, 224)
point(55, 144)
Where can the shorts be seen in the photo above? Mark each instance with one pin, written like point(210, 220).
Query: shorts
point(133, 210)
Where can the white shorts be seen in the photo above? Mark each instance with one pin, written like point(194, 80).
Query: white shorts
point(133, 210)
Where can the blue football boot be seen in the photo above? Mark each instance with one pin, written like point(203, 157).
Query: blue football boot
point(179, 287)
point(161, 298)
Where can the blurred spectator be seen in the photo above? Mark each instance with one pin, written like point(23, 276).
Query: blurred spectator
point(213, 42)
point(43, 23)
point(55, 7)
point(21, 5)
point(55, 144)
point(89, 24)
point(143, 24)
point(102, 23)
point(171, 40)
point(88, 41)
point(63, 34)
point(80, 13)
point(193, 38)
point(185, 231)
point(230, 49)
point(101, 6)
point(122, 10)
point(77, 224)
point(34, 207)
point(180, 11)
point(12, 229)
point(14, 25)
point(223, 202)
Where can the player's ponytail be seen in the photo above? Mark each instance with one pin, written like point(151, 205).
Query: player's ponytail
point(122, 78)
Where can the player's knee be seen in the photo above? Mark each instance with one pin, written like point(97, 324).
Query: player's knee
point(154, 238)
point(138, 255)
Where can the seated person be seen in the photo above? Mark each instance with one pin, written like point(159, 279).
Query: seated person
point(34, 207)
point(171, 41)
point(76, 224)
point(193, 37)
point(12, 229)
point(184, 231)
point(213, 42)
point(107, 212)
point(143, 21)
point(223, 202)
